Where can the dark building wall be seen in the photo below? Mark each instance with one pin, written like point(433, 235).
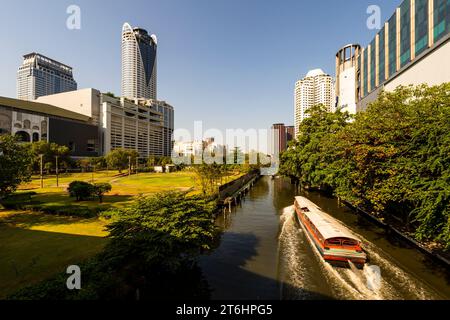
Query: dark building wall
point(81, 138)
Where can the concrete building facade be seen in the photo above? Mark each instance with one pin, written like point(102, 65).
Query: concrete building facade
point(346, 78)
point(32, 121)
point(140, 124)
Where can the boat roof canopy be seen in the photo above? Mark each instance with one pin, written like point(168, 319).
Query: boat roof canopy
point(328, 227)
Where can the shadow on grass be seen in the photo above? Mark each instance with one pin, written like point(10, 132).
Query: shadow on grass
point(30, 256)
point(25, 220)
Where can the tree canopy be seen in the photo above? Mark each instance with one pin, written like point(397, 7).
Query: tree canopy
point(15, 164)
point(120, 158)
point(393, 159)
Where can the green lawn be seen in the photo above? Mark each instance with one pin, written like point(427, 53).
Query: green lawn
point(34, 246)
point(124, 187)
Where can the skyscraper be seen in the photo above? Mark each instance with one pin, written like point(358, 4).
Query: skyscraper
point(316, 88)
point(279, 139)
point(41, 76)
point(139, 62)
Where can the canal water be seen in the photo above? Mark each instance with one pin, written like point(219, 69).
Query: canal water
point(264, 254)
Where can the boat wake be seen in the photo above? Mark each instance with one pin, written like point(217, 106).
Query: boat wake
point(307, 276)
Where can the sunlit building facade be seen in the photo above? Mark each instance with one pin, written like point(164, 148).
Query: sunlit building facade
point(40, 76)
point(412, 48)
point(139, 63)
point(144, 125)
point(317, 88)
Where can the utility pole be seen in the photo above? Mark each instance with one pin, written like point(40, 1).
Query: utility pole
point(41, 156)
point(57, 172)
point(129, 165)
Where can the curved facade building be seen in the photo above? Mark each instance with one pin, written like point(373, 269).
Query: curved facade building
point(347, 90)
point(139, 63)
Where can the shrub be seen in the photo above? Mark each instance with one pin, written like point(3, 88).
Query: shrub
point(80, 190)
point(99, 189)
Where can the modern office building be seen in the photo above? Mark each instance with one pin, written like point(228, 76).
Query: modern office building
point(279, 138)
point(282, 135)
point(412, 48)
point(143, 125)
point(139, 63)
point(32, 121)
point(40, 76)
point(346, 78)
point(315, 89)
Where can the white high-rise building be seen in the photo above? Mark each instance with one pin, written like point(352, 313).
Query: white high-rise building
point(41, 76)
point(139, 63)
point(316, 88)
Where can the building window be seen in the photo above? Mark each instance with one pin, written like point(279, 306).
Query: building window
point(405, 33)
point(421, 33)
point(35, 137)
point(90, 145)
point(441, 19)
point(365, 71)
point(372, 65)
point(392, 45)
point(381, 57)
point(27, 124)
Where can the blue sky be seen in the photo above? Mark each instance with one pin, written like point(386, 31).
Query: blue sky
point(229, 63)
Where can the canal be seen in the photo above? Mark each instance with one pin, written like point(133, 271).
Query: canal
point(264, 254)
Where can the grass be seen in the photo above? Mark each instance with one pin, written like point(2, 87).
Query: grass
point(124, 187)
point(34, 246)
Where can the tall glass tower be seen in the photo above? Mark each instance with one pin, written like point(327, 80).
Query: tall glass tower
point(138, 63)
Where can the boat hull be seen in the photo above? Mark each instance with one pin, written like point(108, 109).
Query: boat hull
point(336, 257)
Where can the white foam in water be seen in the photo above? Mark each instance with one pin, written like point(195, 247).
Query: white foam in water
point(290, 247)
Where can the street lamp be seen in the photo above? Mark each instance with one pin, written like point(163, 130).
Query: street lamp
point(129, 166)
point(41, 156)
point(57, 172)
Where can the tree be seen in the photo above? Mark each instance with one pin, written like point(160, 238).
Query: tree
point(307, 158)
point(163, 229)
point(49, 152)
point(15, 164)
point(99, 189)
point(84, 164)
point(98, 162)
point(392, 160)
point(120, 158)
point(48, 167)
point(209, 176)
point(80, 190)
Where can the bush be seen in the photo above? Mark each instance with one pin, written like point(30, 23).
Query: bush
point(80, 190)
point(68, 211)
point(99, 189)
point(18, 201)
